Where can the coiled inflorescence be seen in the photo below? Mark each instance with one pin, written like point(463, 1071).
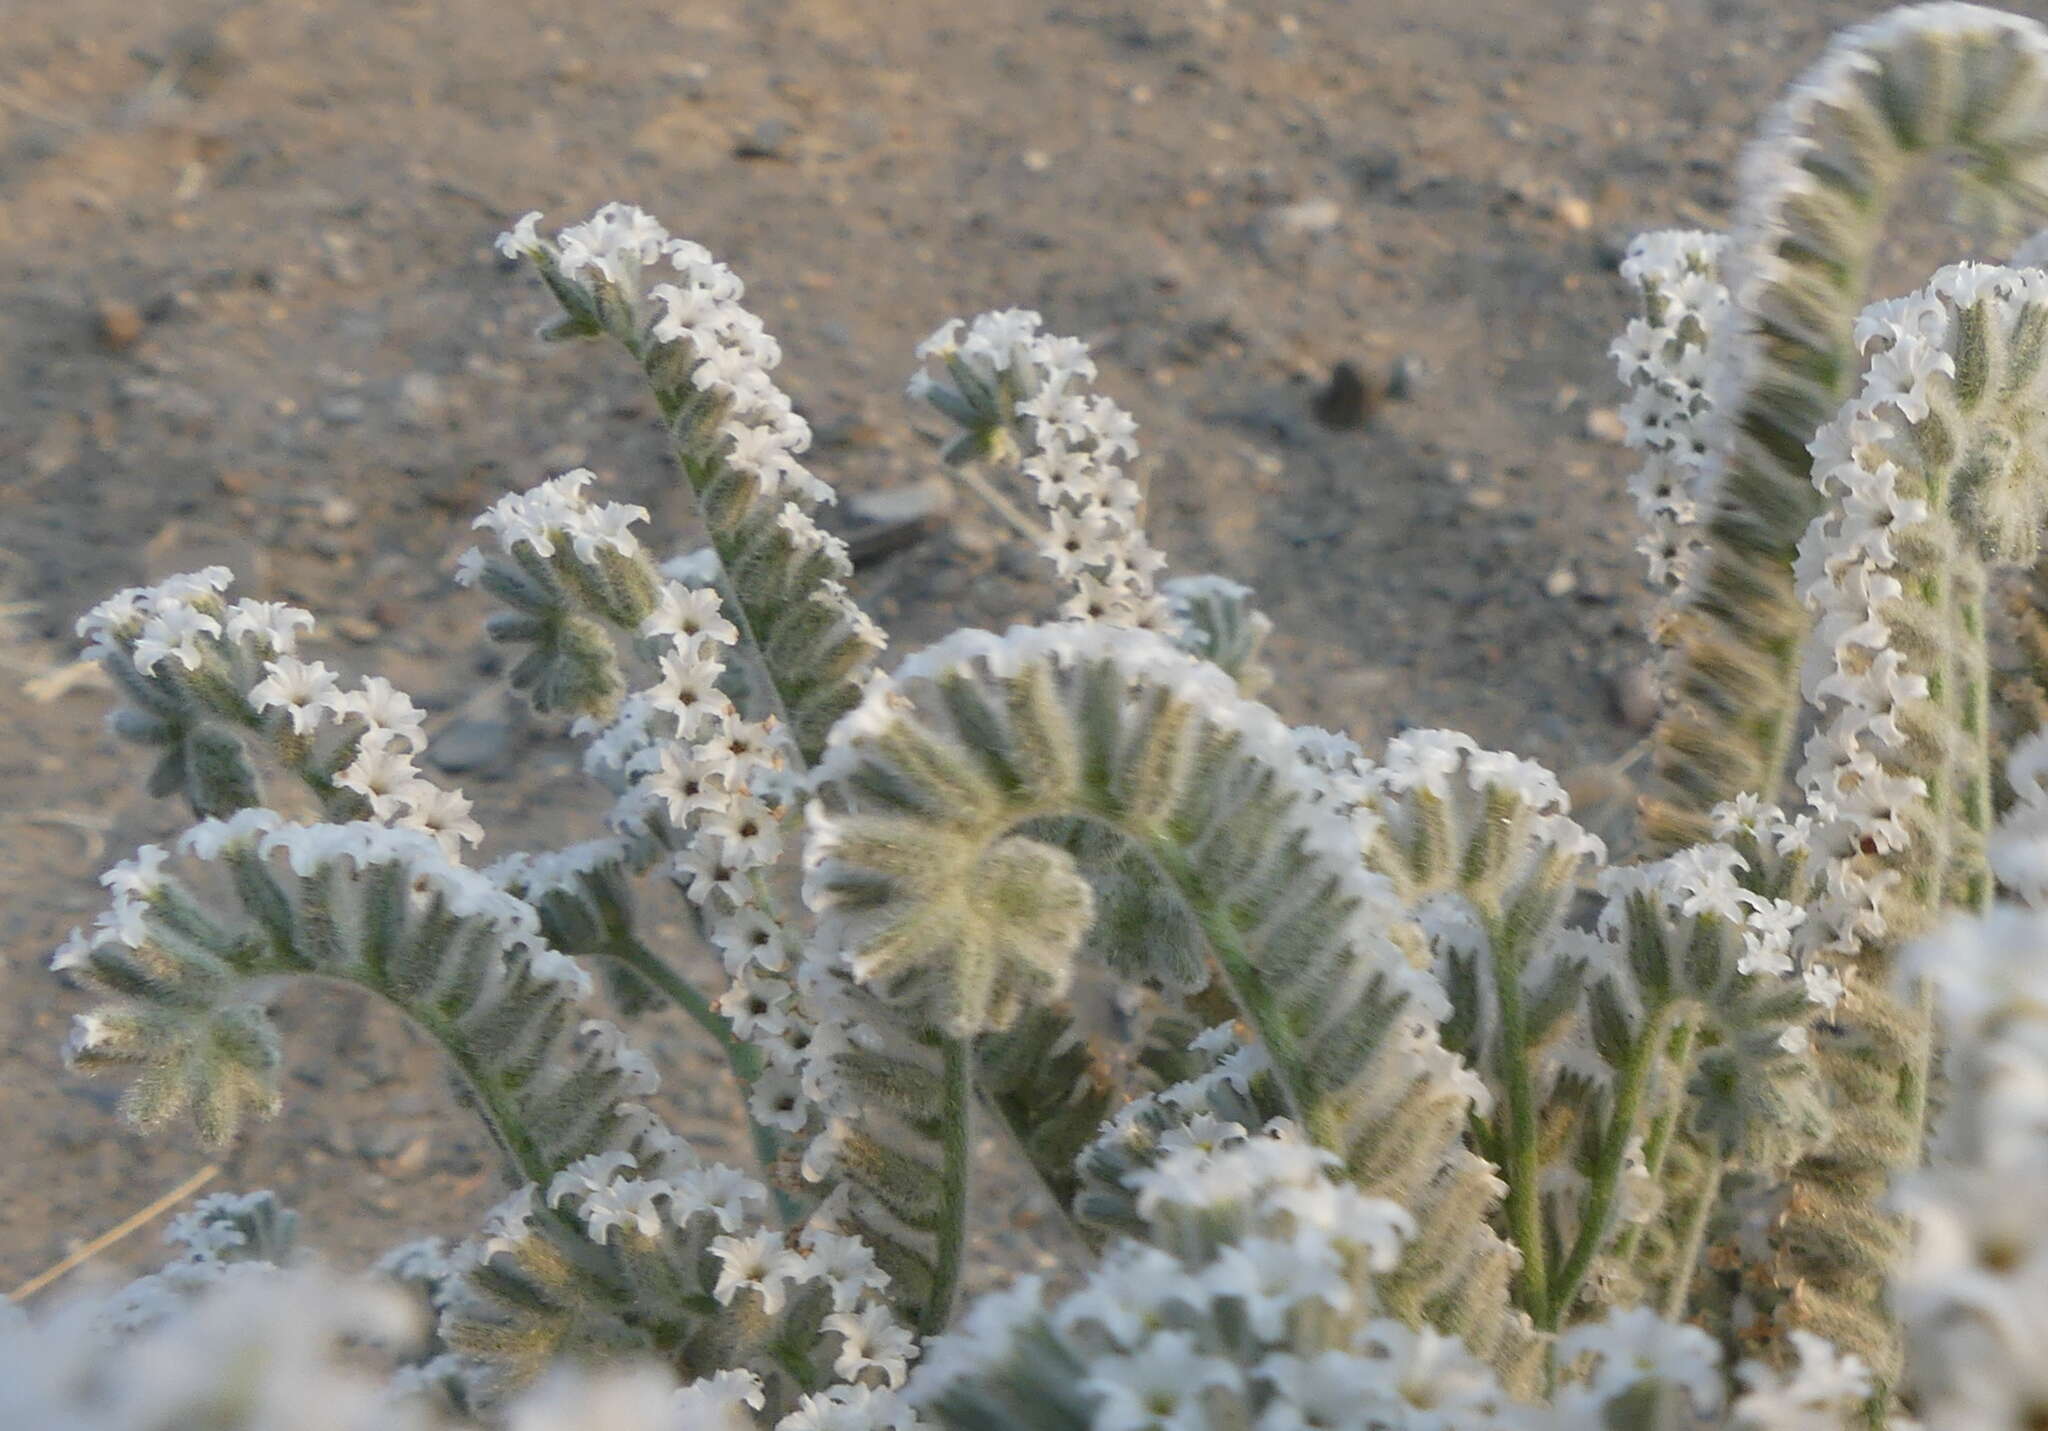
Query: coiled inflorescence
point(1384, 1096)
point(1815, 188)
point(737, 438)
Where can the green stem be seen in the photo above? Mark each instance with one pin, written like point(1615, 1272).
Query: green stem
point(1921, 1071)
point(1657, 1146)
point(1607, 1172)
point(956, 1113)
point(497, 1113)
point(1523, 1161)
point(500, 1118)
point(1676, 1295)
point(1971, 887)
point(743, 1058)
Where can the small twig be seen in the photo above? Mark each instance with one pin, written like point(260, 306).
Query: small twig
point(114, 1234)
point(59, 681)
point(1032, 532)
point(15, 100)
point(92, 829)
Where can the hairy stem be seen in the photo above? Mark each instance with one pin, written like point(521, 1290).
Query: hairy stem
point(1663, 1128)
point(1679, 1290)
point(1523, 1161)
point(743, 1058)
point(1607, 1171)
point(956, 1117)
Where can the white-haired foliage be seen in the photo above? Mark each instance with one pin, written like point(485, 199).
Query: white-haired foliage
point(1415, 1108)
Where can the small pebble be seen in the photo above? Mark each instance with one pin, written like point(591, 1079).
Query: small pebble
point(1561, 583)
point(1604, 424)
point(421, 402)
point(1406, 377)
point(120, 325)
point(1346, 402)
point(1633, 691)
point(1310, 216)
point(768, 139)
point(470, 745)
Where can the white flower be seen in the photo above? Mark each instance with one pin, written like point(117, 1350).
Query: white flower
point(119, 616)
point(944, 339)
point(382, 774)
point(272, 623)
point(387, 711)
point(139, 876)
point(844, 1261)
point(720, 1402)
point(758, 1263)
point(726, 1192)
point(521, 239)
point(704, 870)
point(444, 814)
point(173, 631)
point(1160, 1385)
point(305, 690)
point(1424, 760)
point(1635, 1345)
point(208, 839)
point(757, 1003)
point(1273, 1278)
point(589, 1174)
point(1825, 1392)
point(692, 616)
point(1901, 374)
point(871, 1338)
point(747, 831)
point(849, 1408)
point(777, 1098)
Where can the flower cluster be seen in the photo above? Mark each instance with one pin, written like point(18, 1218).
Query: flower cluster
point(1892, 512)
point(1384, 1095)
point(198, 666)
point(818, 1288)
point(1016, 389)
point(722, 783)
point(723, 350)
point(1972, 1288)
point(555, 512)
point(1662, 357)
point(1705, 880)
point(1253, 1300)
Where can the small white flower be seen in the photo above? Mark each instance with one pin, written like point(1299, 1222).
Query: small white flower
point(305, 690)
point(871, 1338)
point(139, 876)
point(724, 1401)
point(1161, 1384)
point(521, 239)
point(444, 814)
point(384, 775)
point(387, 711)
point(173, 631)
point(757, 1263)
point(273, 623)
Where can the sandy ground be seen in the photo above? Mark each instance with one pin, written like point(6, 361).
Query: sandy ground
point(252, 316)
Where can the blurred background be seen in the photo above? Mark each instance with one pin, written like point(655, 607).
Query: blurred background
point(1350, 263)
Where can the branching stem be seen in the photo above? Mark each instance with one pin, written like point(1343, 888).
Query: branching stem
point(1608, 1171)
